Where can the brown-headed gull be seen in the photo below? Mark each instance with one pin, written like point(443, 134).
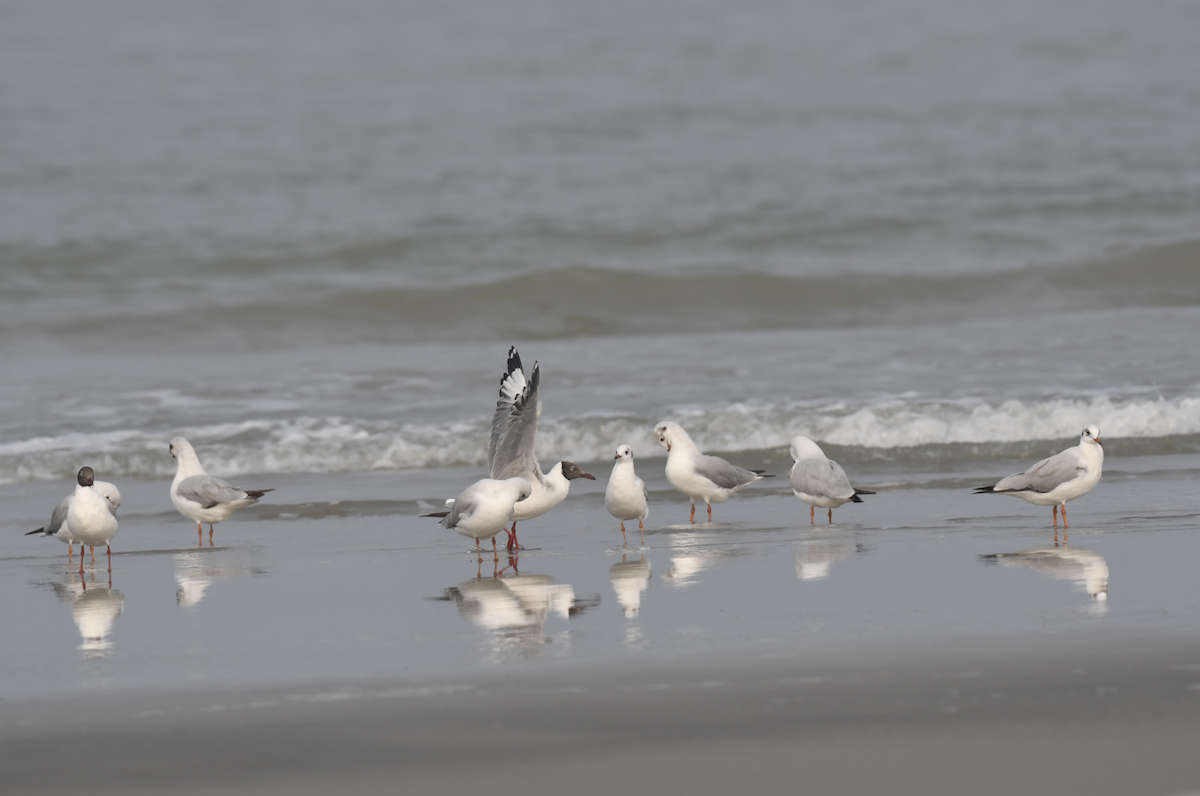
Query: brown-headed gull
point(625, 497)
point(484, 508)
point(819, 481)
point(61, 530)
point(511, 450)
point(1062, 477)
point(91, 517)
point(700, 477)
point(202, 498)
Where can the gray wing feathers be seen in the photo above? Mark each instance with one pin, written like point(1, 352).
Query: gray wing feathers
point(1045, 475)
point(821, 478)
point(724, 474)
point(513, 454)
point(208, 491)
point(59, 516)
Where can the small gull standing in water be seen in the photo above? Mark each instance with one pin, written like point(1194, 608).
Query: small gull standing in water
point(819, 481)
point(202, 498)
point(58, 527)
point(1062, 477)
point(511, 450)
point(484, 508)
point(700, 477)
point(91, 517)
point(625, 496)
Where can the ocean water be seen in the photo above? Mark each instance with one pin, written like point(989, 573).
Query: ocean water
point(941, 238)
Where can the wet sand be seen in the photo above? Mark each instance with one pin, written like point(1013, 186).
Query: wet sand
point(1014, 715)
point(928, 641)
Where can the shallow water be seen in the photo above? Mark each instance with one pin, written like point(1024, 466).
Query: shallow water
point(362, 589)
point(940, 239)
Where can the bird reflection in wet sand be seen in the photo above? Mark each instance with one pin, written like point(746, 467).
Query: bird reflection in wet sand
point(94, 607)
point(195, 572)
point(814, 559)
point(1082, 567)
point(629, 580)
point(691, 556)
point(515, 609)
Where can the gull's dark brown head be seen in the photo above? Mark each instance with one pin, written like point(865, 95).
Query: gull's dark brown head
point(571, 471)
point(86, 476)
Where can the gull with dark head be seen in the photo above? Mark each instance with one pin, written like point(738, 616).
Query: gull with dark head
point(819, 481)
point(1062, 477)
point(625, 497)
point(511, 450)
point(91, 517)
point(202, 498)
point(700, 477)
point(58, 527)
point(484, 508)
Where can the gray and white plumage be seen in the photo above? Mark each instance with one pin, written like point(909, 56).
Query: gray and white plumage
point(58, 526)
point(199, 496)
point(818, 480)
point(1054, 480)
point(626, 497)
point(511, 447)
point(484, 508)
point(699, 476)
point(91, 516)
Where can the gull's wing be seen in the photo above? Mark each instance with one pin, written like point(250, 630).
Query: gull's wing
point(822, 478)
point(724, 474)
point(59, 516)
point(1047, 474)
point(208, 491)
point(512, 386)
point(513, 454)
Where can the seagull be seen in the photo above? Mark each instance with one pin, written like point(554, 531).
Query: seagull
point(818, 481)
point(510, 452)
point(484, 508)
point(1064, 476)
point(700, 477)
point(625, 497)
point(202, 498)
point(58, 527)
point(91, 518)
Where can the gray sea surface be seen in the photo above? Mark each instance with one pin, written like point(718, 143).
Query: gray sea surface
point(939, 238)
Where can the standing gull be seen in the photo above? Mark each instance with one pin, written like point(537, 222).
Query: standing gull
point(625, 496)
point(58, 527)
point(202, 498)
point(818, 481)
point(484, 508)
point(91, 517)
point(700, 477)
point(511, 454)
point(1062, 477)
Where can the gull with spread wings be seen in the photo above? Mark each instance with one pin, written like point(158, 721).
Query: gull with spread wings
point(511, 453)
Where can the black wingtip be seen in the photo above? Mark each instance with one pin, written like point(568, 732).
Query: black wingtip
point(438, 514)
point(864, 491)
point(763, 474)
point(514, 360)
point(39, 530)
point(257, 493)
point(984, 490)
point(855, 498)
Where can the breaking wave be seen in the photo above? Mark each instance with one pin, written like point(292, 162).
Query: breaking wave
point(895, 428)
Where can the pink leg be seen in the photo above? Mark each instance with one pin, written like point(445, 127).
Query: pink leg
point(1055, 515)
point(709, 511)
point(513, 544)
point(692, 518)
point(812, 515)
point(1064, 511)
point(199, 534)
point(110, 560)
point(642, 532)
point(623, 539)
point(210, 544)
point(831, 516)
